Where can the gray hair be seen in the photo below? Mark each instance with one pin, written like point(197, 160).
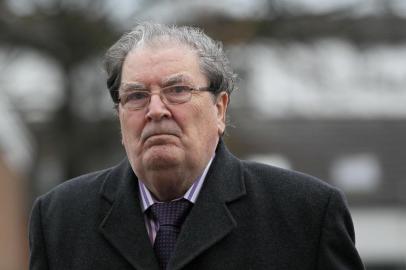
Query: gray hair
point(213, 61)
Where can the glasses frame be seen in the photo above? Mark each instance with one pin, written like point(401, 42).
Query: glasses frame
point(164, 99)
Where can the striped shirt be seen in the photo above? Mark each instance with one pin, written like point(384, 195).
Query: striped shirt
point(147, 200)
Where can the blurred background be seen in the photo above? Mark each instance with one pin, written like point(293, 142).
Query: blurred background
point(322, 90)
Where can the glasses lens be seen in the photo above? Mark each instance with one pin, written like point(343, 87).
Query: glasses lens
point(135, 99)
point(177, 94)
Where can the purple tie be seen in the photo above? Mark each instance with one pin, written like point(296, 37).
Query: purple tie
point(170, 217)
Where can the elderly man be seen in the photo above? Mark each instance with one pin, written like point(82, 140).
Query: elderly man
point(181, 200)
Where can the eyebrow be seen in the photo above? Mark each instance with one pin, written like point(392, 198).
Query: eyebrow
point(179, 78)
point(133, 86)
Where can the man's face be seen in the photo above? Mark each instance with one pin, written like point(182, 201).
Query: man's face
point(169, 145)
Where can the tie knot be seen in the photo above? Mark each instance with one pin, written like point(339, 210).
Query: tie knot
point(171, 213)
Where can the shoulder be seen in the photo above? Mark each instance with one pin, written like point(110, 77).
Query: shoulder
point(77, 193)
point(286, 186)
point(265, 183)
point(79, 185)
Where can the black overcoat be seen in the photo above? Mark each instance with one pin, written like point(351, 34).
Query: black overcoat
point(247, 216)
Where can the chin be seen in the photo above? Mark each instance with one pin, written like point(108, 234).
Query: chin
point(162, 157)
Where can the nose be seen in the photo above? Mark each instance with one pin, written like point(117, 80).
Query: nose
point(157, 108)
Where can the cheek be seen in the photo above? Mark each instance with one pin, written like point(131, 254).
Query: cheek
point(202, 122)
point(130, 128)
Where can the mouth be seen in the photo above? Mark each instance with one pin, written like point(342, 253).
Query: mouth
point(160, 132)
point(161, 136)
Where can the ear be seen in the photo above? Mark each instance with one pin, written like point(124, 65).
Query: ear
point(221, 105)
point(119, 115)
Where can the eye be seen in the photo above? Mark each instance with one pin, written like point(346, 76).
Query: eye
point(177, 90)
point(136, 96)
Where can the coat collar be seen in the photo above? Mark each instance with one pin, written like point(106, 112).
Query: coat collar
point(209, 220)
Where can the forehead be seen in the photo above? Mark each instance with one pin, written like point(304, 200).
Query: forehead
point(153, 64)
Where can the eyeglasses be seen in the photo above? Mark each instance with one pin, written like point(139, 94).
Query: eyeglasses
point(174, 94)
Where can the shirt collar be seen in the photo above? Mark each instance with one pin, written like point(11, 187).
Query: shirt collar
point(191, 194)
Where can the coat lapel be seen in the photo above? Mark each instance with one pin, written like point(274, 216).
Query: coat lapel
point(208, 222)
point(123, 225)
point(210, 219)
